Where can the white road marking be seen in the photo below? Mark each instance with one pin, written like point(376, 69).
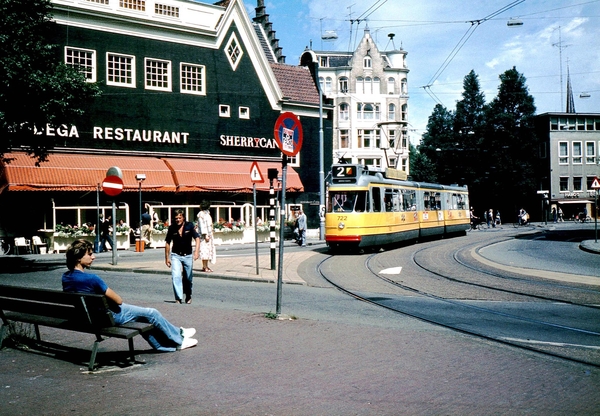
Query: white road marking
point(552, 344)
point(393, 270)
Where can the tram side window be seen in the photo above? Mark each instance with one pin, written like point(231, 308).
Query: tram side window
point(458, 202)
point(391, 200)
point(437, 201)
point(348, 202)
point(409, 200)
point(427, 200)
point(376, 192)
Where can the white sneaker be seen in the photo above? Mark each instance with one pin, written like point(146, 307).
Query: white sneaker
point(188, 343)
point(187, 332)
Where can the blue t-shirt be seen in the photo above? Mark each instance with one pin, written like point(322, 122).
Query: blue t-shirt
point(80, 282)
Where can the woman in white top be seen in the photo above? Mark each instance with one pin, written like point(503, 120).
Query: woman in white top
point(207, 243)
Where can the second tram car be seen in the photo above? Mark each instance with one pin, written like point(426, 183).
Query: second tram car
point(372, 208)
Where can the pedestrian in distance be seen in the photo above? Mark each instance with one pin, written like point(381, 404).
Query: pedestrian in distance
point(560, 215)
point(164, 337)
point(554, 215)
point(105, 229)
point(146, 235)
point(301, 224)
point(207, 241)
point(179, 257)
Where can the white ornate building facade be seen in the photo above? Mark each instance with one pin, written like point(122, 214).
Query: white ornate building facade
point(370, 94)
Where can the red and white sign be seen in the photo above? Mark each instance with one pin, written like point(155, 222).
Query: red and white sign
point(595, 184)
point(255, 175)
point(112, 185)
point(288, 134)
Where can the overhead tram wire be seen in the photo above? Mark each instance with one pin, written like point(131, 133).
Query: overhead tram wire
point(463, 40)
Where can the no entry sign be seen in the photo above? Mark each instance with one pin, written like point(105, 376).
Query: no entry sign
point(112, 185)
point(288, 134)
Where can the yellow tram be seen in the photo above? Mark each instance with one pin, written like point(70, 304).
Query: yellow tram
point(369, 207)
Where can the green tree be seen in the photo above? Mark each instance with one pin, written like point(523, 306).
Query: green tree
point(421, 168)
point(438, 138)
point(36, 88)
point(511, 144)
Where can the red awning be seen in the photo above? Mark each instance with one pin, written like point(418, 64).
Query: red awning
point(77, 172)
point(202, 175)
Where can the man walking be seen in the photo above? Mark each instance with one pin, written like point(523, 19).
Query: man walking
point(146, 228)
point(179, 257)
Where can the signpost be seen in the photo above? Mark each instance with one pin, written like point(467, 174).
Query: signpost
point(288, 136)
point(113, 186)
point(596, 187)
point(255, 176)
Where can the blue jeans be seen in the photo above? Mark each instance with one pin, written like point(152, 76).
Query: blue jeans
point(103, 239)
point(164, 337)
point(182, 284)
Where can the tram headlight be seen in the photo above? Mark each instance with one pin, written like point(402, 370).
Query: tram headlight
point(341, 225)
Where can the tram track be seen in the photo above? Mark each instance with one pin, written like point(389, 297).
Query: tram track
point(512, 315)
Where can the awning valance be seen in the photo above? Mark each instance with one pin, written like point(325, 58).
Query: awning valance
point(202, 175)
point(83, 172)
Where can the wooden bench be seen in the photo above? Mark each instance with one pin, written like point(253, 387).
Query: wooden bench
point(79, 312)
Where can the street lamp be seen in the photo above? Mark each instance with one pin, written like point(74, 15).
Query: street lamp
point(140, 177)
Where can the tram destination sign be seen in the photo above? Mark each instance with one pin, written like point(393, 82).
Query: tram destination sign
point(344, 174)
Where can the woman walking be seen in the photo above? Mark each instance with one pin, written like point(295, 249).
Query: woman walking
point(207, 243)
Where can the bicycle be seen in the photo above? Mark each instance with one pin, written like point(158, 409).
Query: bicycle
point(476, 224)
point(520, 223)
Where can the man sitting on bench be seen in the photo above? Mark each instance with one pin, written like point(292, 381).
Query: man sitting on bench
point(164, 337)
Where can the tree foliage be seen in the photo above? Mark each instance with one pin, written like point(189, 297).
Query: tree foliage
point(36, 88)
point(492, 147)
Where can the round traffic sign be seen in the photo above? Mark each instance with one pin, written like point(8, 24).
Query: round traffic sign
point(112, 185)
point(288, 134)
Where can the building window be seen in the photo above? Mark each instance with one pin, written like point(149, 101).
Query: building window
point(244, 112)
point(392, 139)
point(360, 85)
point(344, 112)
point(82, 59)
point(403, 87)
point(294, 161)
point(120, 70)
point(577, 184)
point(368, 85)
point(192, 79)
point(564, 184)
point(224, 111)
point(391, 86)
point(577, 156)
point(554, 123)
point(367, 111)
point(404, 164)
point(133, 4)
point(367, 62)
point(98, 1)
point(343, 82)
point(392, 160)
point(328, 85)
point(590, 152)
point(375, 162)
point(324, 61)
point(344, 139)
point(391, 112)
point(166, 10)
point(580, 123)
point(369, 139)
point(404, 135)
point(158, 74)
point(563, 153)
point(404, 112)
point(376, 88)
point(234, 51)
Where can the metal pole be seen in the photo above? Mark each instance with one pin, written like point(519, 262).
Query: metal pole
point(140, 224)
point(281, 221)
point(272, 221)
point(97, 239)
point(114, 236)
point(255, 228)
point(321, 162)
point(596, 216)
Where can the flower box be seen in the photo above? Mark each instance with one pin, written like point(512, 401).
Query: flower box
point(59, 241)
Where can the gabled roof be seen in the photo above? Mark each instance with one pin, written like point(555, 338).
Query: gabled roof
point(296, 83)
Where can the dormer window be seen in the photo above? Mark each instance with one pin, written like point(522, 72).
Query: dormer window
point(367, 63)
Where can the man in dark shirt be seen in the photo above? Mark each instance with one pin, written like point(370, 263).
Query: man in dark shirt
point(146, 228)
point(179, 257)
point(163, 337)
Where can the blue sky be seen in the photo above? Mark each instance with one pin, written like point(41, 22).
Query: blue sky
point(444, 44)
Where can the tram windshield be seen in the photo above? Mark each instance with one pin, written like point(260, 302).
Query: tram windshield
point(348, 201)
